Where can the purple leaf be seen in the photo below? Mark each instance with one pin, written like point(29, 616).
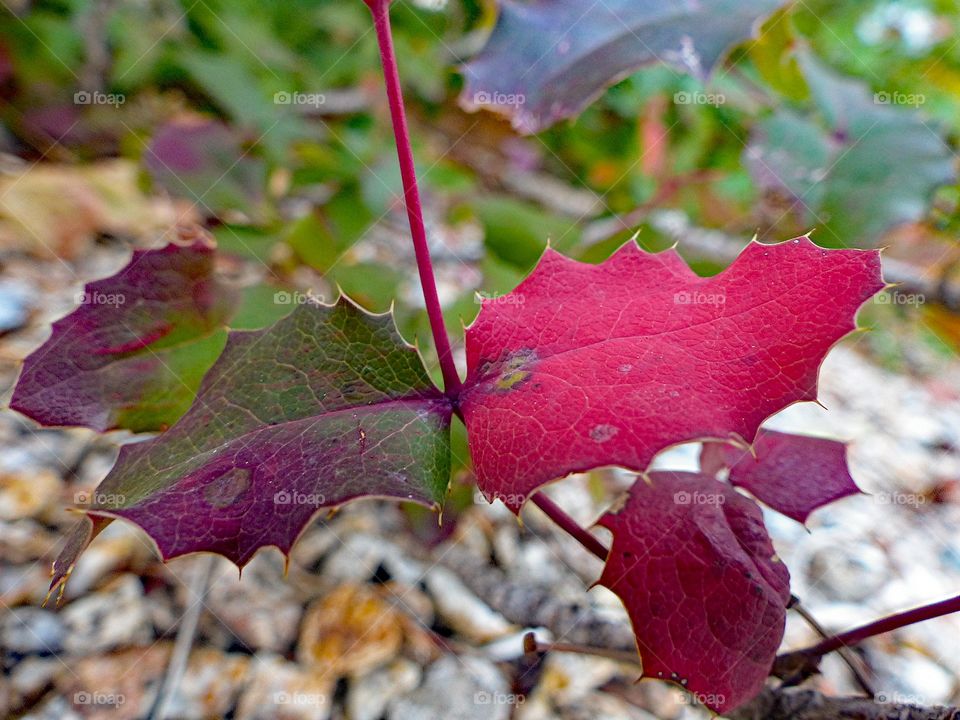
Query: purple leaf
point(133, 353)
point(793, 474)
point(548, 59)
point(326, 405)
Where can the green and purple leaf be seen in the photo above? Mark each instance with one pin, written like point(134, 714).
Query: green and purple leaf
point(583, 366)
point(134, 352)
point(793, 474)
point(695, 568)
point(835, 169)
point(548, 59)
point(205, 162)
point(326, 405)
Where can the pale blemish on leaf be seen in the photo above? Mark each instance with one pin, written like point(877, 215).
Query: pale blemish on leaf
point(513, 370)
point(603, 432)
point(223, 491)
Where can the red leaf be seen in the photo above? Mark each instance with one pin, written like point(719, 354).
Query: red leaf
point(793, 474)
point(694, 566)
point(583, 366)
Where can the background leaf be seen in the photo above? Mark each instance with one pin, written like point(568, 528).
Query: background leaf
point(547, 59)
point(133, 353)
point(838, 172)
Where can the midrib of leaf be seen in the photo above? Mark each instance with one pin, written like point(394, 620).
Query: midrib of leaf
point(136, 492)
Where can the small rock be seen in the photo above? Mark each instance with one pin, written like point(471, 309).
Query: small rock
point(462, 687)
point(116, 686)
point(370, 695)
point(27, 495)
point(21, 584)
point(601, 705)
point(350, 631)
point(846, 569)
point(24, 541)
point(910, 677)
point(114, 618)
point(362, 555)
point(461, 609)
point(210, 685)
point(32, 631)
point(569, 677)
point(56, 708)
point(15, 305)
point(33, 675)
point(275, 688)
point(259, 607)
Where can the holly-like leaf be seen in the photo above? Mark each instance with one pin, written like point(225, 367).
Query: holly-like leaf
point(204, 161)
point(326, 405)
point(836, 170)
point(695, 568)
point(134, 352)
point(583, 366)
point(793, 474)
point(548, 59)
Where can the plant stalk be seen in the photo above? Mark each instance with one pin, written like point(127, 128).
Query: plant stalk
point(380, 9)
point(884, 625)
point(570, 526)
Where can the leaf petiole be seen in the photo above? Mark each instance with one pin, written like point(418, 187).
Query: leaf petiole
point(380, 9)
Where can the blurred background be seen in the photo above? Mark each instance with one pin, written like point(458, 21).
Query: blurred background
point(266, 123)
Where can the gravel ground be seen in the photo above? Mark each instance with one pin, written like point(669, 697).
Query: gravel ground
point(369, 625)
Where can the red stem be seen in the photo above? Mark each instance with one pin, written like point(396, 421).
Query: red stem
point(570, 526)
point(381, 19)
point(883, 625)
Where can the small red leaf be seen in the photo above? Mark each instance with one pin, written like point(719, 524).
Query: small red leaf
point(793, 474)
point(694, 566)
point(589, 365)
